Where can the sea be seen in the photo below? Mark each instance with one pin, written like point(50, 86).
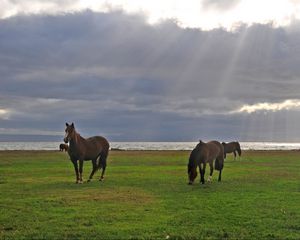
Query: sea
point(149, 146)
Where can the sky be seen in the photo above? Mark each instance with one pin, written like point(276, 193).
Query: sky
point(150, 70)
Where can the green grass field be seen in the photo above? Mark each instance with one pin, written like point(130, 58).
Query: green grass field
point(145, 196)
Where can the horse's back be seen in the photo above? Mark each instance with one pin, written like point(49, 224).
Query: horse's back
point(93, 147)
point(217, 154)
point(98, 142)
point(231, 147)
point(207, 152)
point(215, 149)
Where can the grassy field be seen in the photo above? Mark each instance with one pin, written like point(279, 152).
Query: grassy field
point(145, 196)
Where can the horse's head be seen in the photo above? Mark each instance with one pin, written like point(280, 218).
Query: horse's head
point(192, 173)
point(69, 132)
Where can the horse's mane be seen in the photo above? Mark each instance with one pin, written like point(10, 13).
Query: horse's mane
point(195, 151)
point(77, 134)
point(199, 146)
point(192, 163)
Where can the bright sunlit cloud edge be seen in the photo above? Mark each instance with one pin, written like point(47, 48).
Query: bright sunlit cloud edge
point(193, 14)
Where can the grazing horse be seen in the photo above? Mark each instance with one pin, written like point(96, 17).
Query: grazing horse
point(202, 154)
point(232, 147)
point(63, 147)
point(84, 149)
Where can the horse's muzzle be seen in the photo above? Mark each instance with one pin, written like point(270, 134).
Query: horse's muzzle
point(66, 140)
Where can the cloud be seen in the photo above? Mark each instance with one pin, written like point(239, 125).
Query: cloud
point(285, 105)
point(205, 14)
point(28, 131)
point(4, 113)
point(114, 74)
point(223, 5)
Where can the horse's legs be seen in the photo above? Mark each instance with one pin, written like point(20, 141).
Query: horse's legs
point(94, 162)
point(211, 166)
point(80, 170)
point(234, 155)
point(220, 173)
point(202, 172)
point(103, 171)
point(76, 170)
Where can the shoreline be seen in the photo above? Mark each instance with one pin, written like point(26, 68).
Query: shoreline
point(150, 150)
point(148, 146)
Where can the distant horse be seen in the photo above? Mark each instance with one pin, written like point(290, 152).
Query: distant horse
point(63, 147)
point(202, 154)
point(81, 149)
point(232, 147)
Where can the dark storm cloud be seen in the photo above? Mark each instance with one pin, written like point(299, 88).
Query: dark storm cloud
point(116, 74)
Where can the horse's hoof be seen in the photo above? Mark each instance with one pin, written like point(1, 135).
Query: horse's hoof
point(101, 179)
point(88, 180)
point(190, 183)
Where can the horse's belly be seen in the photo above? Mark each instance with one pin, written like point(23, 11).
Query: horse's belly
point(85, 158)
point(91, 157)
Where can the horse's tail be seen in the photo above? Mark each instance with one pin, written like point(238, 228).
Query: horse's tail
point(219, 162)
point(102, 162)
point(239, 149)
point(102, 159)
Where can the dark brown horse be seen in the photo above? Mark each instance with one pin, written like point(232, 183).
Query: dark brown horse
point(84, 149)
point(63, 147)
point(202, 154)
point(232, 147)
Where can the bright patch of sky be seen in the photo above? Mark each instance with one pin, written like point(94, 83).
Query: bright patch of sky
point(205, 14)
point(4, 114)
point(285, 105)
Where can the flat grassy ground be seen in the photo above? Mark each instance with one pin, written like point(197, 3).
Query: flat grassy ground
point(145, 196)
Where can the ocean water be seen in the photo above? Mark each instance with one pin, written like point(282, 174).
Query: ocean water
point(149, 145)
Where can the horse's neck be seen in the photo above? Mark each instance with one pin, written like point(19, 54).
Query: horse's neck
point(76, 141)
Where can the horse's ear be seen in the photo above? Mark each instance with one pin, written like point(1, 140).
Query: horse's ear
point(72, 125)
point(200, 141)
point(67, 125)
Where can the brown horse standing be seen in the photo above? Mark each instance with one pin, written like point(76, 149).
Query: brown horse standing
point(81, 149)
point(202, 154)
point(232, 147)
point(63, 147)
